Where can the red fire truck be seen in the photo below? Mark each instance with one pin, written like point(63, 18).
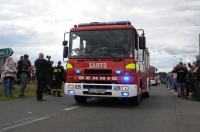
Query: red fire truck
point(153, 75)
point(106, 59)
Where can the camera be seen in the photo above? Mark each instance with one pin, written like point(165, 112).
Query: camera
point(48, 57)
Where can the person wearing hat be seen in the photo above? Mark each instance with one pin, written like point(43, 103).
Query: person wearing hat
point(58, 73)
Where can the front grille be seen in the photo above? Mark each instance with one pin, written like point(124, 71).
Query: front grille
point(106, 93)
point(98, 72)
point(97, 86)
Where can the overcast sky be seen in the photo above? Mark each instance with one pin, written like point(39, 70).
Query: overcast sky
point(172, 27)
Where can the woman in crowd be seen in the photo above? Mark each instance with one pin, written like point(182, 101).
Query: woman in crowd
point(8, 75)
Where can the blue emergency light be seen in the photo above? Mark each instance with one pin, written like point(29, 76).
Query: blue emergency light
point(77, 71)
point(118, 72)
point(125, 93)
point(126, 78)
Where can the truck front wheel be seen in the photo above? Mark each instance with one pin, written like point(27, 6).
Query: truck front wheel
point(135, 100)
point(80, 99)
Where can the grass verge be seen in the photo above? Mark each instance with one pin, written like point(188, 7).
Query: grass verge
point(30, 91)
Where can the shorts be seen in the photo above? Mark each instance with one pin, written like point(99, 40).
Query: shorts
point(181, 85)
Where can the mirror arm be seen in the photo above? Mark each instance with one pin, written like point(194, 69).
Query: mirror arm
point(65, 34)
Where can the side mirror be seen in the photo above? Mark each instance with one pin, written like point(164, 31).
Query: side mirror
point(65, 43)
point(142, 42)
point(65, 52)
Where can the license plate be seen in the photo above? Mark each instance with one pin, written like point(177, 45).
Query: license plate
point(97, 91)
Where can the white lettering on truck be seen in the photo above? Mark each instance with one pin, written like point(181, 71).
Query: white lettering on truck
point(98, 65)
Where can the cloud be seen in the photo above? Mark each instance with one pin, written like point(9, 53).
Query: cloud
point(171, 26)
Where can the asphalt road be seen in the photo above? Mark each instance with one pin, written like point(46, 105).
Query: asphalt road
point(162, 112)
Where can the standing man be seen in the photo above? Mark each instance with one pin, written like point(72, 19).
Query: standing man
point(41, 75)
point(24, 67)
point(58, 79)
point(181, 71)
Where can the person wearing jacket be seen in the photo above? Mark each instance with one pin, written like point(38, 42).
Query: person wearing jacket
point(58, 79)
point(41, 75)
point(9, 71)
point(24, 68)
point(181, 71)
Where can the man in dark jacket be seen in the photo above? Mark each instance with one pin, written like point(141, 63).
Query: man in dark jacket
point(181, 71)
point(41, 75)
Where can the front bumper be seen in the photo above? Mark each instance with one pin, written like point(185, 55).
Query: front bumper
point(152, 82)
point(101, 90)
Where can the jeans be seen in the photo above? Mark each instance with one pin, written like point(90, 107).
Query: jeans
point(23, 81)
point(174, 84)
point(181, 85)
point(3, 87)
point(8, 86)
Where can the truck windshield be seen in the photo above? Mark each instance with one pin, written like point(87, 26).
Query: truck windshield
point(101, 44)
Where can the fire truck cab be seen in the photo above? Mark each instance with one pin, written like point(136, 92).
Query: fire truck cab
point(106, 59)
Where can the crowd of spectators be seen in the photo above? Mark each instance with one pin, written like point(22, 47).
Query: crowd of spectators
point(185, 79)
point(22, 72)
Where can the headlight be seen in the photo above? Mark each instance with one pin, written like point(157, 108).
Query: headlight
point(125, 88)
point(70, 86)
point(117, 88)
point(77, 86)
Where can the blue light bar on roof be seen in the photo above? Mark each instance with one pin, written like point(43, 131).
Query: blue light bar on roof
point(104, 23)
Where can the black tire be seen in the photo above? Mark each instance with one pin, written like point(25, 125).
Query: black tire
point(146, 95)
point(80, 99)
point(135, 100)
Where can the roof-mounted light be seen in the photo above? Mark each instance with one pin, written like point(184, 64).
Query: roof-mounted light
point(105, 23)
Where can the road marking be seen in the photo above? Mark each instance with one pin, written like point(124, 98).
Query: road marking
point(15, 122)
point(72, 108)
point(23, 123)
